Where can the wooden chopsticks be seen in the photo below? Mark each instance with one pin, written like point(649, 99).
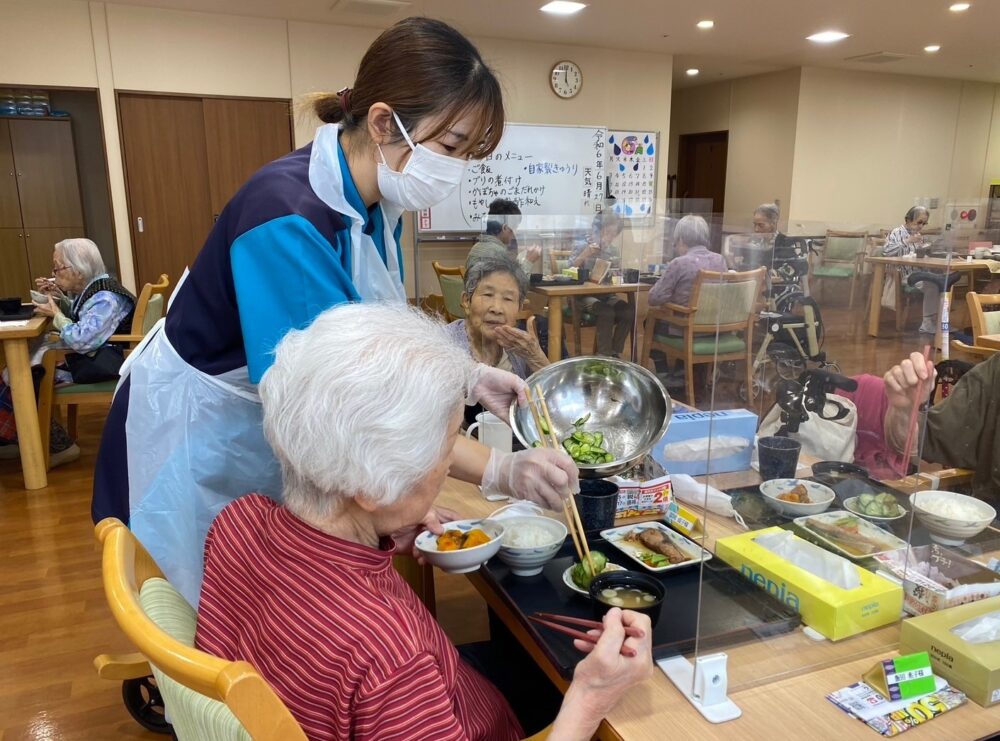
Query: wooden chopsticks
point(549, 621)
point(540, 413)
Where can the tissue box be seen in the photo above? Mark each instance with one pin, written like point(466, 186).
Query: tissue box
point(967, 581)
point(828, 609)
point(973, 668)
point(729, 426)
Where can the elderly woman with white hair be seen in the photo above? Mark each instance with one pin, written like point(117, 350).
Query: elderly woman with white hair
point(87, 306)
point(362, 410)
point(692, 237)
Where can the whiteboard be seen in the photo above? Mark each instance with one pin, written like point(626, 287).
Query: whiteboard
point(631, 167)
point(546, 170)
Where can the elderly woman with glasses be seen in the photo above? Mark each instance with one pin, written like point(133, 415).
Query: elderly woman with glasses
point(87, 306)
point(495, 290)
point(362, 410)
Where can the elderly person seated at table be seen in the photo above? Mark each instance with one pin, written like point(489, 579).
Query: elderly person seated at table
point(903, 241)
point(615, 315)
point(692, 237)
point(765, 218)
point(362, 409)
point(87, 306)
point(500, 238)
point(495, 290)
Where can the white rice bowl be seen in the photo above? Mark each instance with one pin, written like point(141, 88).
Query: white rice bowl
point(529, 542)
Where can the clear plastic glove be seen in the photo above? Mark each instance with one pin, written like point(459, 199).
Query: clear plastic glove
point(540, 475)
point(495, 389)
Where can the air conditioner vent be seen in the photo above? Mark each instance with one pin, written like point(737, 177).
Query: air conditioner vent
point(879, 57)
point(370, 7)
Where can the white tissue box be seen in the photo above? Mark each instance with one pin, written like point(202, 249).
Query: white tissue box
point(973, 668)
point(684, 446)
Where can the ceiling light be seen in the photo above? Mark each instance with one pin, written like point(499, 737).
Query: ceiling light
point(692, 72)
point(562, 7)
point(828, 37)
point(932, 48)
point(705, 25)
point(959, 7)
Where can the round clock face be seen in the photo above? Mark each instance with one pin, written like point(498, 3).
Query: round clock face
point(566, 79)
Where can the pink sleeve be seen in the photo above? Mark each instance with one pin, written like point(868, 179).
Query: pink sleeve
point(872, 451)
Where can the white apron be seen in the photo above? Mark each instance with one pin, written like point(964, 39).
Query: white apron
point(195, 441)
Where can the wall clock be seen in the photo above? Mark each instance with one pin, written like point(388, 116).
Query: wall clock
point(566, 79)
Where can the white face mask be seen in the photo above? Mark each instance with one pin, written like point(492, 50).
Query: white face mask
point(426, 180)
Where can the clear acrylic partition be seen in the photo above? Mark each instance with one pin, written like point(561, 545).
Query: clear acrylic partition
point(809, 337)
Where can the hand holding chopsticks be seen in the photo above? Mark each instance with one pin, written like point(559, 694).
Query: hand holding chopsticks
point(593, 636)
point(907, 386)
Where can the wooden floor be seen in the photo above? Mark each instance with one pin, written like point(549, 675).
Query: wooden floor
point(53, 618)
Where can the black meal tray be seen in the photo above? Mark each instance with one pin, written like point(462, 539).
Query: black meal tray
point(757, 514)
point(570, 282)
point(733, 610)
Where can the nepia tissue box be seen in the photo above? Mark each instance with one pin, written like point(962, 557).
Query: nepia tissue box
point(687, 448)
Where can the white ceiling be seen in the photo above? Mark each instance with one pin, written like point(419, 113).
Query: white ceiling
point(750, 36)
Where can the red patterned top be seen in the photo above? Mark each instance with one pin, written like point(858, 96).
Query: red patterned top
point(337, 633)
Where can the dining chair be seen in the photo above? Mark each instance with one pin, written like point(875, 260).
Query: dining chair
point(559, 261)
point(984, 312)
point(150, 307)
point(972, 353)
point(838, 260)
point(864, 271)
point(452, 282)
point(721, 303)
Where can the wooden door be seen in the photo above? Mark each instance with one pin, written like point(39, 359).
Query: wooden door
point(47, 180)
point(166, 169)
point(241, 136)
point(15, 279)
point(40, 243)
point(10, 204)
point(701, 167)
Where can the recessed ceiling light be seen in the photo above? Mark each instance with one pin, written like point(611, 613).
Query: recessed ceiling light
point(705, 25)
point(692, 72)
point(562, 7)
point(828, 37)
point(959, 7)
point(932, 48)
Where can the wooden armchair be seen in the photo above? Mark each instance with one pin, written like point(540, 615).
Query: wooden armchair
point(984, 312)
point(452, 282)
point(839, 259)
point(725, 302)
point(149, 309)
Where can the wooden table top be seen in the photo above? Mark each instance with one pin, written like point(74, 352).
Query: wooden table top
point(590, 289)
point(780, 683)
point(35, 326)
point(955, 263)
point(989, 340)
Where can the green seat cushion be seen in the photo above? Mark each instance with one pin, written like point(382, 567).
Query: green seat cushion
point(705, 344)
point(833, 271)
point(104, 387)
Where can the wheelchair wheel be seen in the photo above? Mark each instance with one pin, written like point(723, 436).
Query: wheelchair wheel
point(144, 703)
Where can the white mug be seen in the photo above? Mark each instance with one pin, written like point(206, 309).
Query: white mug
point(493, 432)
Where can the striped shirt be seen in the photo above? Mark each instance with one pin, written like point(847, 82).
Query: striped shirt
point(337, 633)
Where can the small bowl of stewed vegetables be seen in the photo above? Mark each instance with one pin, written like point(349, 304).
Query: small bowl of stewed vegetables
point(629, 590)
point(605, 413)
point(464, 546)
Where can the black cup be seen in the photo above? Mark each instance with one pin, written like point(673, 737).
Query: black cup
point(597, 502)
point(10, 305)
point(923, 252)
point(778, 457)
point(583, 274)
point(536, 278)
point(630, 275)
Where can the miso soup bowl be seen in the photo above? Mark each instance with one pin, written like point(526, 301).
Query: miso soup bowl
point(635, 579)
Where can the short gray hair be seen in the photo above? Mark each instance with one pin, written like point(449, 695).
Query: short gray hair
point(490, 264)
point(693, 231)
point(83, 256)
point(359, 404)
point(769, 211)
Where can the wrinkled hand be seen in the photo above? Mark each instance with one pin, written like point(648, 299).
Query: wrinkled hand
point(593, 249)
point(540, 475)
point(605, 675)
point(406, 536)
point(495, 389)
point(517, 341)
point(48, 285)
point(533, 253)
point(914, 238)
point(48, 309)
point(901, 380)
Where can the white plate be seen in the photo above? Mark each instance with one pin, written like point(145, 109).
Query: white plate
point(616, 537)
point(850, 505)
point(568, 580)
point(891, 542)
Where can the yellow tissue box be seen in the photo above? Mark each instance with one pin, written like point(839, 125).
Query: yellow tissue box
point(828, 609)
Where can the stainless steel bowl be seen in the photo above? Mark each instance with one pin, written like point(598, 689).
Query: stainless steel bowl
point(625, 401)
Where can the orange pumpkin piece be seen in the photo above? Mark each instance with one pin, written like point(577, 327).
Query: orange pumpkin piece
point(474, 538)
point(451, 540)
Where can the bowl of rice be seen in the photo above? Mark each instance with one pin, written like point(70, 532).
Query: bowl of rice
point(529, 542)
point(951, 518)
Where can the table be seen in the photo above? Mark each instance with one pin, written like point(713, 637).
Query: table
point(555, 295)
point(989, 340)
point(782, 704)
point(15, 350)
point(955, 264)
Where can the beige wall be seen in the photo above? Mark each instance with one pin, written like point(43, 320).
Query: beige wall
point(46, 43)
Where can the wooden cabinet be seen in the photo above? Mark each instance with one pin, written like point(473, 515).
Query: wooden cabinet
point(39, 198)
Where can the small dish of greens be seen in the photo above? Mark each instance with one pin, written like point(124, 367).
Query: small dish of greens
point(881, 507)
